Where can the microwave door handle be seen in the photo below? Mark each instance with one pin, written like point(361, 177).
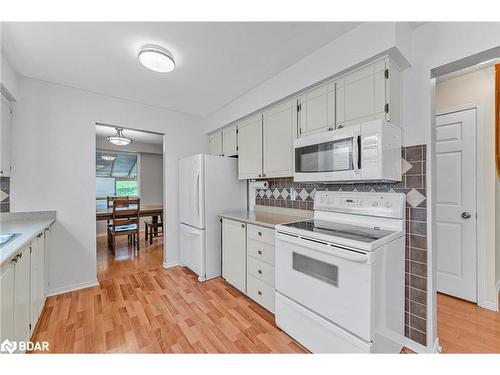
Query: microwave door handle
point(355, 153)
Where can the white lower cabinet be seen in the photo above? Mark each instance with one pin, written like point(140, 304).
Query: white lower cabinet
point(22, 298)
point(7, 301)
point(248, 260)
point(23, 291)
point(234, 253)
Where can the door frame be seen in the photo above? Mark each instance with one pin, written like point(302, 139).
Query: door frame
point(480, 195)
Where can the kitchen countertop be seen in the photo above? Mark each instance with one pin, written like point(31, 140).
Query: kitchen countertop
point(266, 218)
point(29, 224)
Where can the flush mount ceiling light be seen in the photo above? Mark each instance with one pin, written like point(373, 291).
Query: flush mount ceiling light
point(119, 139)
point(108, 157)
point(156, 58)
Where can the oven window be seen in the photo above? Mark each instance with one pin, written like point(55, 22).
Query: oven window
point(325, 272)
point(331, 156)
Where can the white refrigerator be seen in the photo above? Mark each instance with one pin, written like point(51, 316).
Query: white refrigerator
point(208, 185)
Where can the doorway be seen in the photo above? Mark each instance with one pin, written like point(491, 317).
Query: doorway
point(129, 179)
point(465, 219)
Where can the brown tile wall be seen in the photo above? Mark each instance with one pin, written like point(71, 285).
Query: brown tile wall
point(414, 180)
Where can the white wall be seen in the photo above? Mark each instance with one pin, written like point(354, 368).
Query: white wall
point(479, 88)
point(151, 179)
point(53, 167)
point(8, 78)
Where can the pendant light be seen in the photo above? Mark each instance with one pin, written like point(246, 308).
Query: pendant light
point(108, 157)
point(119, 139)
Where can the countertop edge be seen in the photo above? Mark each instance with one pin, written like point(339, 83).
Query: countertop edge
point(239, 217)
point(25, 237)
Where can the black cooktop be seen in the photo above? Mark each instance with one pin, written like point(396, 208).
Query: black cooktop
point(351, 232)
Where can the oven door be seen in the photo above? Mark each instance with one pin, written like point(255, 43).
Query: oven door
point(328, 156)
point(332, 282)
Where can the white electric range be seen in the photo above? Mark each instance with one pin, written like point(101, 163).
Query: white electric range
point(340, 276)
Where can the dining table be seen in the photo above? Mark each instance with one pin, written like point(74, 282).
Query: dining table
point(153, 211)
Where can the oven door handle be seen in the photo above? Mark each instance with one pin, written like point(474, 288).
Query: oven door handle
point(323, 247)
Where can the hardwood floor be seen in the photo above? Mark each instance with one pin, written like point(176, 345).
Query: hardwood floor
point(464, 327)
point(140, 307)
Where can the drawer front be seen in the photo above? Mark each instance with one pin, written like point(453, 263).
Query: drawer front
point(261, 293)
point(261, 270)
point(261, 250)
point(261, 234)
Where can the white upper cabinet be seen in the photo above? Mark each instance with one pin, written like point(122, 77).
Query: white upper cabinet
point(5, 134)
point(317, 110)
point(369, 93)
point(279, 131)
point(250, 147)
point(229, 141)
point(215, 143)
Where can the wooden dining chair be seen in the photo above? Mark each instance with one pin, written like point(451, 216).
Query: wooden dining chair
point(125, 221)
point(153, 228)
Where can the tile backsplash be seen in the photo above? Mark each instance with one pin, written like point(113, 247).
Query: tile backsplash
point(4, 194)
point(284, 192)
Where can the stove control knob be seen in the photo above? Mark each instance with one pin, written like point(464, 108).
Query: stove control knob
point(388, 204)
point(375, 204)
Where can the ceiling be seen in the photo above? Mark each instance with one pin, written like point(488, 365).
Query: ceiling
point(134, 135)
point(215, 62)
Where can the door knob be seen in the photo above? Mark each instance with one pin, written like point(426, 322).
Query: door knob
point(466, 215)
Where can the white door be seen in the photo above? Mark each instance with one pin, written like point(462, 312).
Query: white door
point(229, 141)
point(215, 143)
point(5, 131)
point(250, 147)
point(191, 183)
point(279, 129)
point(234, 253)
point(7, 303)
point(456, 204)
point(192, 246)
point(317, 110)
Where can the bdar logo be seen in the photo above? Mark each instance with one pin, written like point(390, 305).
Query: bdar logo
point(8, 346)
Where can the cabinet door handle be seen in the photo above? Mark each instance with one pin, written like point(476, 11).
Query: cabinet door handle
point(330, 128)
point(14, 260)
point(1, 171)
point(259, 252)
point(260, 175)
point(260, 272)
point(243, 225)
point(259, 293)
point(259, 233)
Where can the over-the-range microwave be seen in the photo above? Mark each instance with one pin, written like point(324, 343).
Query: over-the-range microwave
point(370, 151)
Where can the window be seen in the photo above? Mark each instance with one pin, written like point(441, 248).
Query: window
point(116, 174)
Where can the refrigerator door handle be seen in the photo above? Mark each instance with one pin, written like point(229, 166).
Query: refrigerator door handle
point(197, 194)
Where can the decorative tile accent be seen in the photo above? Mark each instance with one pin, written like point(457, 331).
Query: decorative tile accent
point(414, 198)
point(405, 166)
point(4, 194)
point(299, 195)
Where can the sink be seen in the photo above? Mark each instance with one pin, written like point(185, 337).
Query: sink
point(7, 237)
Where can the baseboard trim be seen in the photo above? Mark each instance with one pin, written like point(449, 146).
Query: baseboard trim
point(419, 348)
point(490, 305)
point(171, 264)
point(72, 287)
